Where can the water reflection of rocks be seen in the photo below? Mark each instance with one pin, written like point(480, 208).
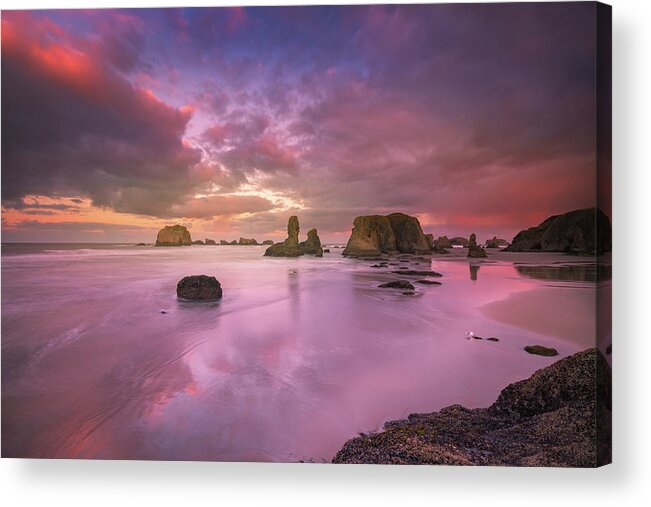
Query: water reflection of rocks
point(585, 272)
point(474, 269)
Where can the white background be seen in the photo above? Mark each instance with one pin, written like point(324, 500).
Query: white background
point(626, 482)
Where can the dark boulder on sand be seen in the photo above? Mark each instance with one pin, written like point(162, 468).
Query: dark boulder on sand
point(199, 288)
point(397, 284)
point(394, 233)
point(416, 272)
point(173, 235)
point(474, 250)
point(579, 232)
point(560, 416)
point(539, 350)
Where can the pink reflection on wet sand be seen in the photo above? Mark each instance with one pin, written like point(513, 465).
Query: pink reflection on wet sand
point(299, 356)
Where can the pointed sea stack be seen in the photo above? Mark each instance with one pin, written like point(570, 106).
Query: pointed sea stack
point(474, 250)
point(289, 247)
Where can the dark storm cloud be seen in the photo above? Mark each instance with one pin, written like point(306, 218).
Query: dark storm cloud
point(71, 124)
point(466, 113)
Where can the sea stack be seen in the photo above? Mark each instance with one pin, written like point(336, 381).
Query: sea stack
point(289, 247)
point(474, 250)
point(173, 235)
point(579, 232)
point(496, 243)
point(248, 241)
point(394, 233)
point(312, 246)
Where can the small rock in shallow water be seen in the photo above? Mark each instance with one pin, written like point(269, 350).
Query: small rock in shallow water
point(477, 337)
point(397, 284)
point(539, 350)
point(419, 273)
point(428, 282)
point(493, 339)
point(163, 312)
point(199, 287)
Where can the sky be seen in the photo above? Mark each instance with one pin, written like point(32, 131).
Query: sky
point(475, 118)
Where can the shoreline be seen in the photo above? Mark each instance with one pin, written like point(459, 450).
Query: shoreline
point(560, 416)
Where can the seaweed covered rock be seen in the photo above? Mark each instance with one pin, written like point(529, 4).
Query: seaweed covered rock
point(394, 233)
point(199, 288)
point(560, 416)
point(173, 235)
point(579, 232)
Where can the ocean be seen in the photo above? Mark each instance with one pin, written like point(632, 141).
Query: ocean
point(100, 360)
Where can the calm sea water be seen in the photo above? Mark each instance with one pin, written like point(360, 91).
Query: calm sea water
point(299, 356)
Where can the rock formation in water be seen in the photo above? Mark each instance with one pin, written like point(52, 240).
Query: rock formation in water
point(199, 287)
point(234, 242)
point(312, 245)
point(198, 242)
point(268, 242)
point(209, 241)
point(248, 241)
point(459, 241)
point(173, 235)
point(443, 242)
point(580, 232)
point(394, 233)
point(291, 247)
point(474, 250)
point(496, 242)
point(223, 242)
point(560, 416)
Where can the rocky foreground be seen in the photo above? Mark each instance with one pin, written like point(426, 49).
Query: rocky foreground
point(560, 416)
